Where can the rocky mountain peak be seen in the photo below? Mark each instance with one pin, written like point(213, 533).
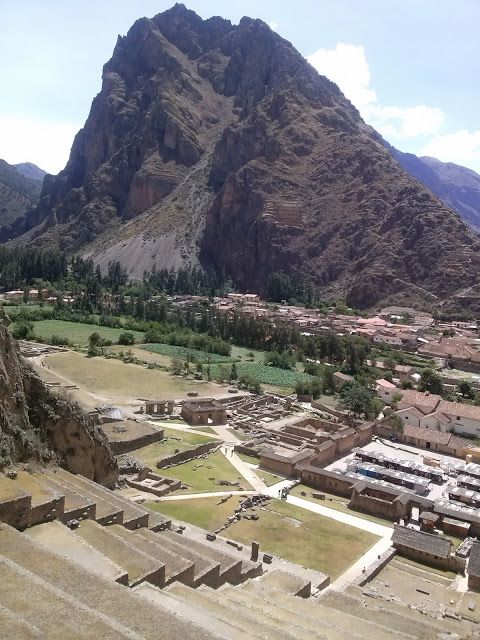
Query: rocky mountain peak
point(218, 145)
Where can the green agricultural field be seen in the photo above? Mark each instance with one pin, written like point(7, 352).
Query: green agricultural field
point(184, 353)
point(77, 332)
point(265, 374)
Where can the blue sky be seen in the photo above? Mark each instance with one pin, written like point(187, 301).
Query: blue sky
point(410, 66)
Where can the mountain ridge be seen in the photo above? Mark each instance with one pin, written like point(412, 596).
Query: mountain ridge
point(219, 145)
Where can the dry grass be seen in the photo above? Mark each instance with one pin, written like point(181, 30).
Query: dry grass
point(124, 382)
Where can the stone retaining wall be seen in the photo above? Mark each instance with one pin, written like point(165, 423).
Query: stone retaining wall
point(188, 454)
point(125, 446)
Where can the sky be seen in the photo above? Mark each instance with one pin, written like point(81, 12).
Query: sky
point(409, 66)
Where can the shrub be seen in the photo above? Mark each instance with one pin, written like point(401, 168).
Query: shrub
point(126, 338)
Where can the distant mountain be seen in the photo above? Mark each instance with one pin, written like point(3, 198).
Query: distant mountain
point(219, 146)
point(18, 192)
point(457, 186)
point(30, 170)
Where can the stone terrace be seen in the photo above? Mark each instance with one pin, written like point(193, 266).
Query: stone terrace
point(122, 571)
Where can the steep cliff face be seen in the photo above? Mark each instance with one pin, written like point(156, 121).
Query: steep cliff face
point(457, 186)
point(219, 144)
point(19, 192)
point(36, 425)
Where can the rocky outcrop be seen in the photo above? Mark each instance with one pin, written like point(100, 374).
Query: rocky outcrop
point(37, 425)
point(218, 144)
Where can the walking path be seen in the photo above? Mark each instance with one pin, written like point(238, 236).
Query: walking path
point(347, 518)
point(244, 469)
point(355, 571)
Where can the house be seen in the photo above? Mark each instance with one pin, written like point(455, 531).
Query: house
point(464, 418)
point(204, 411)
point(474, 568)
point(386, 390)
point(425, 547)
point(423, 401)
point(341, 380)
point(427, 438)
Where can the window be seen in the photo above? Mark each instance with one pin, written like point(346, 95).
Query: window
point(458, 417)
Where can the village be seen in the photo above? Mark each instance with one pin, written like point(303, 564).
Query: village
point(383, 507)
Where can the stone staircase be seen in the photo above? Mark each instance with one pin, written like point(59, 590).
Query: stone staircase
point(122, 572)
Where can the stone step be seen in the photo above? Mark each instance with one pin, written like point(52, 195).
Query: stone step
point(135, 562)
point(230, 566)
point(310, 623)
point(249, 621)
point(61, 540)
point(107, 597)
point(52, 612)
point(15, 503)
point(76, 506)
point(205, 570)
point(298, 626)
point(185, 610)
point(105, 513)
point(344, 621)
point(47, 503)
point(396, 617)
point(157, 521)
point(133, 516)
point(13, 626)
point(177, 568)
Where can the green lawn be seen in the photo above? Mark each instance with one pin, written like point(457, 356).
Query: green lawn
point(268, 478)
point(202, 474)
point(78, 332)
point(286, 531)
point(206, 513)
point(338, 503)
point(249, 459)
point(173, 439)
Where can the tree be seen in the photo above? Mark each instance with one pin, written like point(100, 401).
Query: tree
point(466, 390)
point(176, 367)
point(126, 338)
point(430, 381)
point(328, 380)
point(356, 399)
point(22, 330)
point(233, 372)
point(95, 342)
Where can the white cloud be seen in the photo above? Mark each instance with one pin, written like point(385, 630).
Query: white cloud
point(273, 25)
point(461, 147)
point(347, 66)
point(44, 143)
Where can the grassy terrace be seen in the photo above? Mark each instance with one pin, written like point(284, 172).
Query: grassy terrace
point(335, 502)
point(200, 475)
point(116, 380)
point(173, 440)
point(206, 513)
point(78, 332)
point(290, 532)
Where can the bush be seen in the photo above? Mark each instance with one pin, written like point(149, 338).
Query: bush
point(23, 330)
point(59, 341)
point(126, 338)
